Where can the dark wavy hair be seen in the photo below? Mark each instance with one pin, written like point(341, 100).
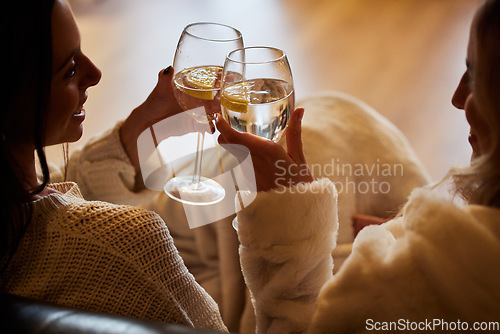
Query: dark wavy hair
point(26, 39)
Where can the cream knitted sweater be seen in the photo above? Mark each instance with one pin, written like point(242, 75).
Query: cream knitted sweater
point(107, 258)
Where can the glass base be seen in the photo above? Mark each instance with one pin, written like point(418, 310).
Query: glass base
point(235, 223)
point(184, 190)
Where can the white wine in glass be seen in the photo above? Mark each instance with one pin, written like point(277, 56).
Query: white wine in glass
point(198, 65)
point(199, 86)
point(260, 106)
point(257, 94)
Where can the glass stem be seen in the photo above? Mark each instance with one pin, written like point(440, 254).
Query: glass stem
point(198, 158)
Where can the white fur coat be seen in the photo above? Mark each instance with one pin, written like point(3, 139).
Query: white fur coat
point(436, 264)
point(286, 240)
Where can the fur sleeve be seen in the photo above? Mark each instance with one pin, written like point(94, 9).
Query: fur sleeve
point(286, 240)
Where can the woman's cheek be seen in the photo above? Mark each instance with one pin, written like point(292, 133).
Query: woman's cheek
point(479, 126)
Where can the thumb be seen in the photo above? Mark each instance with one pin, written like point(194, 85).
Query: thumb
point(294, 137)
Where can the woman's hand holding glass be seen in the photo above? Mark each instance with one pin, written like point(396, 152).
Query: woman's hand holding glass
point(257, 99)
point(160, 104)
point(269, 158)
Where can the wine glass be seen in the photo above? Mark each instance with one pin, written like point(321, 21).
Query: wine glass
point(198, 63)
point(257, 94)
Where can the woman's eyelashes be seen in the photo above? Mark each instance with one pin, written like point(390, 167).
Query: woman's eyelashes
point(72, 71)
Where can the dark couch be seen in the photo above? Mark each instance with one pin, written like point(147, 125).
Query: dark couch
point(20, 315)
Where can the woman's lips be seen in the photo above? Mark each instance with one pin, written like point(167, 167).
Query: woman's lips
point(473, 141)
point(80, 112)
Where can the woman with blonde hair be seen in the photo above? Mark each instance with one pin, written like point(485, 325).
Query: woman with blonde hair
point(478, 96)
point(433, 269)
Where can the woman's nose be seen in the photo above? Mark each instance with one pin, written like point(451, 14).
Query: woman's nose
point(461, 93)
point(97, 74)
point(93, 74)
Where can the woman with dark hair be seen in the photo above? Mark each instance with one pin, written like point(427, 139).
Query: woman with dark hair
point(28, 74)
point(55, 245)
point(433, 269)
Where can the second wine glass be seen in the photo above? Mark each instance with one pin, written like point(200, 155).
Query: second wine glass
point(257, 93)
point(198, 65)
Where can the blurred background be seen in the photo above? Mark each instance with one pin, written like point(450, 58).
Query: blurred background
point(403, 57)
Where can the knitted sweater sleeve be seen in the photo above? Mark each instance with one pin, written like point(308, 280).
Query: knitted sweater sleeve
point(128, 258)
point(287, 236)
point(156, 283)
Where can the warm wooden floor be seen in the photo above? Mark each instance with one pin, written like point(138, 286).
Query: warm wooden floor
point(404, 57)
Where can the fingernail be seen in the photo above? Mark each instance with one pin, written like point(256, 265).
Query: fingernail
point(165, 71)
point(300, 115)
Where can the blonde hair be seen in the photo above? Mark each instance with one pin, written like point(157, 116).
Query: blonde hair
point(480, 183)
